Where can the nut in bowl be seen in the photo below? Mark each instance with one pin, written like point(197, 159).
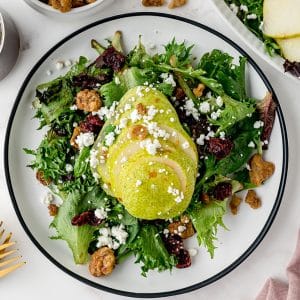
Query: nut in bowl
point(67, 9)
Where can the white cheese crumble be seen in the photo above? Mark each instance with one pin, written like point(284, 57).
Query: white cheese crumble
point(93, 158)
point(48, 72)
point(59, 65)
point(73, 107)
point(190, 109)
point(109, 139)
point(234, 8)
point(150, 146)
point(172, 120)
point(222, 135)
point(168, 78)
point(48, 198)
point(127, 106)
point(204, 107)
point(151, 112)
point(69, 168)
point(175, 192)
point(185, 145)
point(216, 114)
point(101, 213)
point(192, 251)
point(252, 17)
point(244, 8)
point(138, 183)
point(68, 63)
point(258, 124)
point(156, 131)
point(200, 139)
point(181, 228)
point(85, 139)
point(219, 101)
point(135, 116)
point(251, 145)
point(117, 80)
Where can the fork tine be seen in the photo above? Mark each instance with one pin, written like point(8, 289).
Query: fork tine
point(6, 262)
point(11, 268)
point(7, 253)
point(4, 246)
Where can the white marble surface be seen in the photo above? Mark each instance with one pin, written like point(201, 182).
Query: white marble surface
point(40, 279)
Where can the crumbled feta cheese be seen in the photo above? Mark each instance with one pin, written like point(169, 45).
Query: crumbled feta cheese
point(109, 139)
point(216, 114)
point(248, 167)
point(251, 145)
point(48, 198)
point(175, 192)
point(156, 131)
point(219, 101)
point(172, 120)
point(168, 78)
point(101, 213)
point(261, 26)
point(119, 233)
point(151, 112)
point(234, 8)
point(68, 63)
point(36, 103)
point(190, 109)
point(258, 124)
point(252, 17)
point(138, 183)
point(150, 146)
point(204, 107)
point(73, 107)
point(48, 72)
point(200, 139)
point(244, 8)
point(59, 65)
point(93, 158)
point(210, 134)
point(192, 251)
point(139, 91)
point(117, 80)
point(85, 139)
point(166, 231)
point(222, 135)
point(185, 145)
point(135, 116)
point(120, 217)
point(266, 142)
point(75, 124)
point(105, 112)
point(69, 168)
point(181, 228)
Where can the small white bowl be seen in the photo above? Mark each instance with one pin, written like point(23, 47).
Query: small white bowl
point(74, 13)
point(9, 43)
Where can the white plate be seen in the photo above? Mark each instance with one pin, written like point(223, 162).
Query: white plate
point(247, 229)
point(249, 38)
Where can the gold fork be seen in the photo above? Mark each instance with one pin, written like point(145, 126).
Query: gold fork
point(4, 253)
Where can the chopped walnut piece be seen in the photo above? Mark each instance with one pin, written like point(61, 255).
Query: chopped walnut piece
point(234, 204)
point(53, 209)
point(153, 2)
point(75, 134)
point(142, 110)
point(138, 132)
point(88, 100)
point(260, 170)
point(102, 262)
point(40, 177)
point(62, 5)
point(252, 199)
point(184, 228)
point(176, 3)
point(198, 91)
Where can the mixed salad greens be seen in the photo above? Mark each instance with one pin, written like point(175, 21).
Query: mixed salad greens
point(210, 97)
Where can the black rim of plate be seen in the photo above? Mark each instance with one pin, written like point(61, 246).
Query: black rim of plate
point(269, 221)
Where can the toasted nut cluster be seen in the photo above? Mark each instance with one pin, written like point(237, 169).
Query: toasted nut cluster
point(142, 110)
point(75, 134)
point(138, 132)
point(184, 228)
point(153, 2)
point(102, 262)
point(234, 204)
point(176, 3)
point(66, 5)
point(88, 100)
point(53, 209)
point(260, 170)
point(40, 177)
point(198, 91)
point(252, 199)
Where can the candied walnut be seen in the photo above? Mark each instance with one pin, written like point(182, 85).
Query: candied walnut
point(102, 262)
point(142, 110)
point(252, 199)
point(90, 1)
point(220, 148)
point(88, 100)
point(176, 3)
point(138, 132)
point(41, 178)
point(260, 170)
point(222, 190)
point(234, 204)
point(75, 134)
point(78, 3)
point(198, 91)
point(184, 228)
point(53, 209)
point(153, 2)
point(62, 5)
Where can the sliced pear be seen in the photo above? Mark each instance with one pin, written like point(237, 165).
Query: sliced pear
point(290, 48)
point(281, 18)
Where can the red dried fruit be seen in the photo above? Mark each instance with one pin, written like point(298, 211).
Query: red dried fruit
point(220, 148)
point(86, 217)
point(111, 58)
point(91, 124)
point(85, 81)
point(174, 244)
point(267, 114)
point(184, 259)
point(222, 190)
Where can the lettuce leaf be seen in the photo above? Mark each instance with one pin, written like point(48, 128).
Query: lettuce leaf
point(206, 218)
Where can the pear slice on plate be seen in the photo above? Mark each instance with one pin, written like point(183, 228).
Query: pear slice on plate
point(290, 48)
point(281, 18)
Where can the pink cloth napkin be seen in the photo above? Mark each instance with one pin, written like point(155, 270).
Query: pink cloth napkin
point(277, 290)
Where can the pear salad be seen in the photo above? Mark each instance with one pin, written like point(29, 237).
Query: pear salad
point(277, 24)
point(145, 151)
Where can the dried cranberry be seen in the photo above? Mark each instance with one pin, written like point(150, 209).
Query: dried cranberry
point(267, 115)
point(59, 131)
point(292, 67)
point(91, 124)
point(184, 259)
point(173, 243)
point(85, 81)
point(222, 190)
point(220, 148)
point(111, 58)
point(87, 217)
